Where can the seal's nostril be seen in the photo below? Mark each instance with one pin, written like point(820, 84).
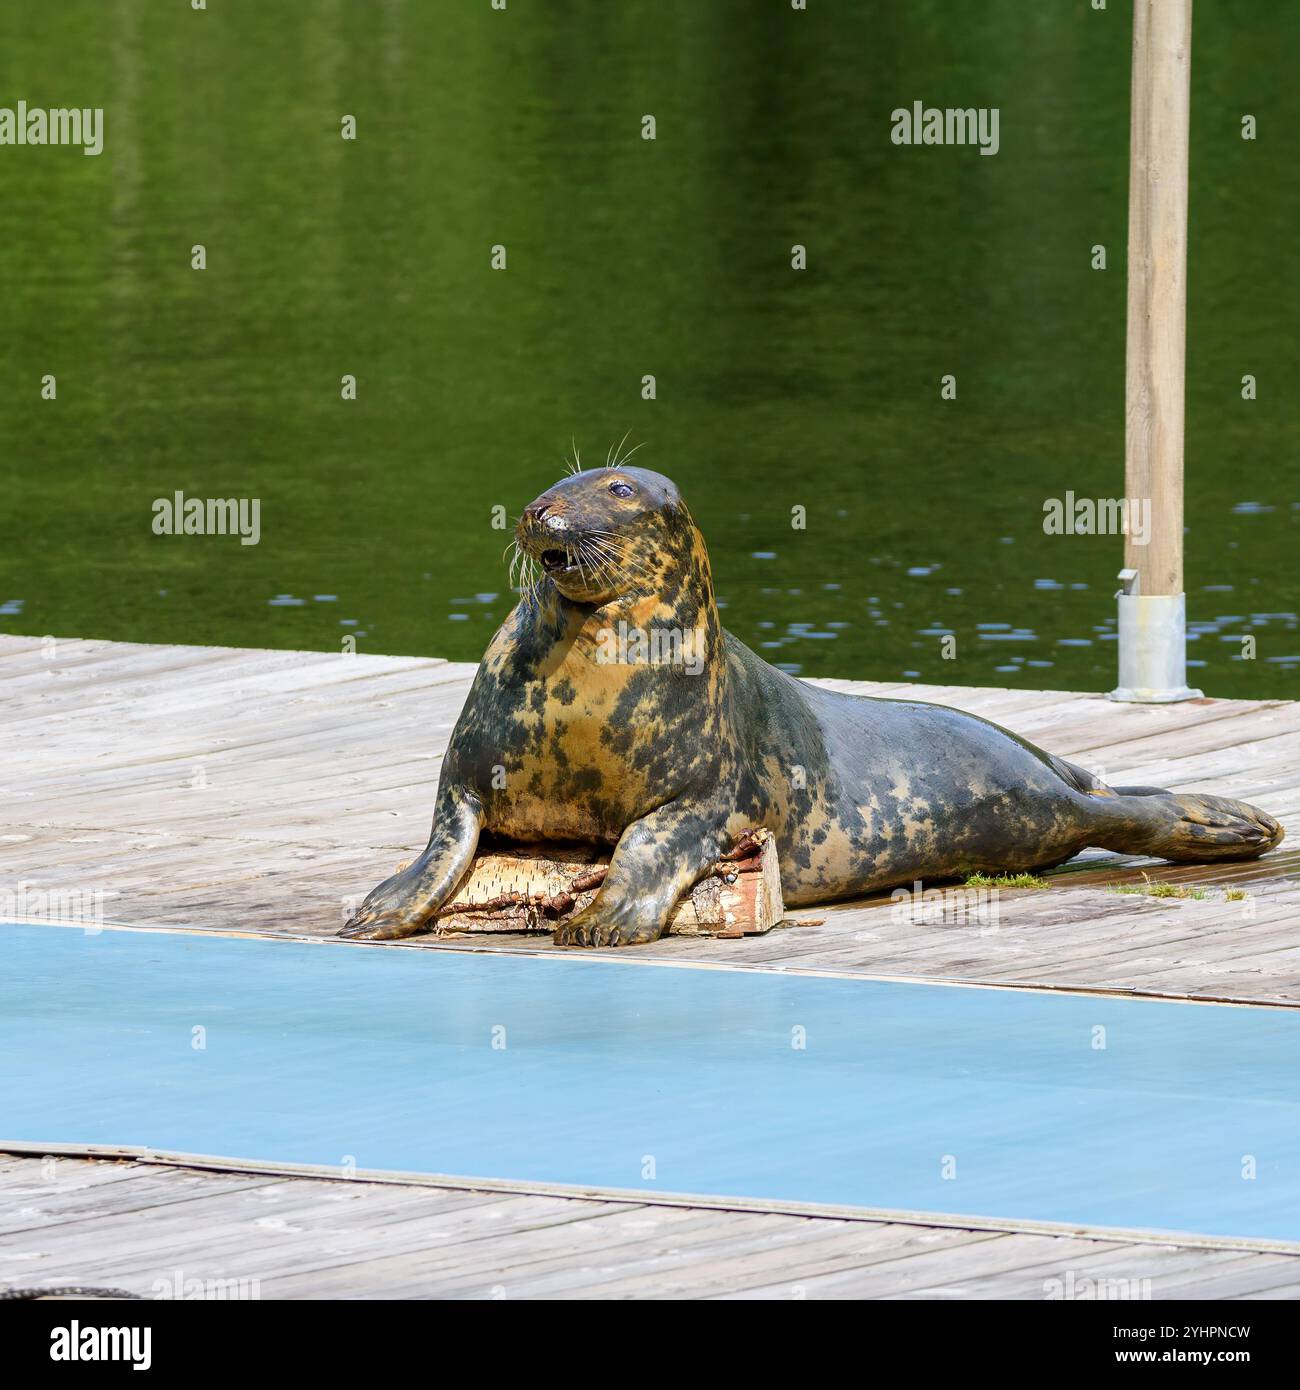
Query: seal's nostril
point(537, 510)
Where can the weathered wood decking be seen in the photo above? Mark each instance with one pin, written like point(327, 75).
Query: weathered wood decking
point(264, 791)
point(268, 791)
point(132, 1226)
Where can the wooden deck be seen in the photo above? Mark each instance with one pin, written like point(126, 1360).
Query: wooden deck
point(131, 1226)
point(259, 791)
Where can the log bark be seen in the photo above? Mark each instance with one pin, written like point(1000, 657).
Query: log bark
point(532, 887)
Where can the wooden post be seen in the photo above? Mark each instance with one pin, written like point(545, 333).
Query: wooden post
point(1152, 605)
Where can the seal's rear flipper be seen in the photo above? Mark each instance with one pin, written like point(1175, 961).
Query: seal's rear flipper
point(1186, 827)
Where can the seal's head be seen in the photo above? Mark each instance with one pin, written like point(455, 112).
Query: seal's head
point(606, 532)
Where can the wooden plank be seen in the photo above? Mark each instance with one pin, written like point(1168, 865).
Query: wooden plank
point(724, 1265)
point(911, 1273)
point(517, 1263)
point(1136, 1272)
point(41, 1208)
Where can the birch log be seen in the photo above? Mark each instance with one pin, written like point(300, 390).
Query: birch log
point(530, 888)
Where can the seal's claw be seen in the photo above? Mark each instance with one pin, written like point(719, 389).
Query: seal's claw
point(584, 930)
point(634, 935)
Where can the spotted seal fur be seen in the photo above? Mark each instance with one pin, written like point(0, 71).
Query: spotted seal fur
point(668, 752)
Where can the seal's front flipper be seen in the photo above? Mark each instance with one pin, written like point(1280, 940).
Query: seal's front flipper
point(657, 859)
point(403, 904)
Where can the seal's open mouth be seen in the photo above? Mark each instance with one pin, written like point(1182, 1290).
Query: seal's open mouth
point(555, 560)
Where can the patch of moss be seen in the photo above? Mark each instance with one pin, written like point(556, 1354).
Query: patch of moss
point(1005, 881)
point(1147, 889)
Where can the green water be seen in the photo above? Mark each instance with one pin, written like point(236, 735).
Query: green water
point(776, 388)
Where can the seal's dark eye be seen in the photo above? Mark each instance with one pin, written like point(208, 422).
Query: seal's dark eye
point(622, 489)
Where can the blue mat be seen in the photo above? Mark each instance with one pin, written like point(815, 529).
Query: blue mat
point(997, 1103)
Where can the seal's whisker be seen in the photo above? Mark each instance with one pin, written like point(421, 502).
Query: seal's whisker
point(602, 556)
point(617, 550)
point(576, 554)
point(611, 538)
point(600, 560)
point(524, 578)
point(614, 450)
point(619, 462)
point(530, 582)
point(601, 542)
point(606, 551)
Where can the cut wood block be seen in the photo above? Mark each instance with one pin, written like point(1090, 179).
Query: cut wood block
point(532, 887)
